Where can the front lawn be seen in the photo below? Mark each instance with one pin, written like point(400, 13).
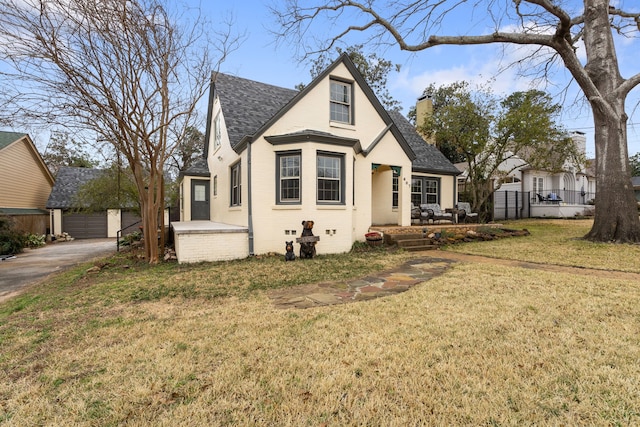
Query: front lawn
point(174, 345)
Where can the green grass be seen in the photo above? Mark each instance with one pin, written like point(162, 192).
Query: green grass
point(483, 344)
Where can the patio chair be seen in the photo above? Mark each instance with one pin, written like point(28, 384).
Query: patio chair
point(434, 213)
point(541, 198)
point(465, 214)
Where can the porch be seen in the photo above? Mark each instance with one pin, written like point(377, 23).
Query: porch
point(554, 203)
point(197, 241)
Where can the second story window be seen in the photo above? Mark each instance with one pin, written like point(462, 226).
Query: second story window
point(341, 102)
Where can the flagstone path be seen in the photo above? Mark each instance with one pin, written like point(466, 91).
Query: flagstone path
point(402, 278)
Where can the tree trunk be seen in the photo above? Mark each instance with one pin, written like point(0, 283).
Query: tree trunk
point(616, 217)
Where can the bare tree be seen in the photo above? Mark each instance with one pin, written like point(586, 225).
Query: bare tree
point(552, 27)
point(127, 72)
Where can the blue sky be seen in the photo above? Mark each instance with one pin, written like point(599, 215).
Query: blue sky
point(260, 59)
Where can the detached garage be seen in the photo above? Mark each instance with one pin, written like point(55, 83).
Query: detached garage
point(66, 218)
point(85, 226)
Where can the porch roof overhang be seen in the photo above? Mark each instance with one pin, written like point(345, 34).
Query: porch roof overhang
point(315, 136)
point(23, 211)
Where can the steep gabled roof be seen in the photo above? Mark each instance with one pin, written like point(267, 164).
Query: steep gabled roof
point(68, 182)
point(251, 107)
point(7, 138)
point(248, 105)
point(428, 158)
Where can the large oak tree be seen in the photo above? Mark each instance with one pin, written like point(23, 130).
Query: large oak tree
point(555, 28)
point(127, 73)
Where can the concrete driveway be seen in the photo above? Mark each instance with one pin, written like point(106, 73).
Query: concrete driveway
point(34, 265)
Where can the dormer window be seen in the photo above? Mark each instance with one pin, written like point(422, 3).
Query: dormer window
point(341, 102)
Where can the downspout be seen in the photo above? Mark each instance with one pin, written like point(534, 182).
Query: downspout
point(249, 201)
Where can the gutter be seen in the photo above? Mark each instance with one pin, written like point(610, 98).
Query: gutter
point(250, 201)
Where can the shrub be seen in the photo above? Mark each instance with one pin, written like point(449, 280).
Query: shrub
point(11, 241)
point(35, 240)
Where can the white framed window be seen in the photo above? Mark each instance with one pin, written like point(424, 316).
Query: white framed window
point(341, 104)
point(538, 185)
point(236, 185)
point(288, 177)
point(394, 190)
point(330, 178)
point(425, 190)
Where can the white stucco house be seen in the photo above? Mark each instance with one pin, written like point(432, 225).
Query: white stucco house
point(531, 192)
point(275, 157)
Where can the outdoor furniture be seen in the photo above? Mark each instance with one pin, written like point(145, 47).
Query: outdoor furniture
point(541, 198)
point(434, 213)
point(553, 198)
point(465, 214)
point(416, 213)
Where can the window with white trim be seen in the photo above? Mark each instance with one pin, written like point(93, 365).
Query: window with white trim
point(425, 190)
point(394, 190)
point(341, 102)
point(538, 185)
point(288, 177)
point(330, 178)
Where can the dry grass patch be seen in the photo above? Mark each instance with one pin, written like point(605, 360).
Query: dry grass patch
point(557, 242)
point(476, 346)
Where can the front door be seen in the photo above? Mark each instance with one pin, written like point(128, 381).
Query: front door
point(199, 199)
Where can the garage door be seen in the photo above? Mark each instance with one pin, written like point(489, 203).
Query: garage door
point(85, 226)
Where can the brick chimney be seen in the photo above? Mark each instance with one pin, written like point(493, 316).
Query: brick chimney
point(424, 109)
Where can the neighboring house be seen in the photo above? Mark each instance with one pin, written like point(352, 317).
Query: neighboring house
point(567, 193)
point(25, 183)
point(275, 157)
point(635, 181)
point(66, 217)
point(529, 192)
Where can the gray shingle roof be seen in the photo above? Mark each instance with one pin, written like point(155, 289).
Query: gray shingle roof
point(199, 167)
point(68, 182)
point(248, 104)
point(428, 158)
point(7, 138)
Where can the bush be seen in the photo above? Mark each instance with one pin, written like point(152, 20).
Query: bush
point(35, 240)
point(11, 241)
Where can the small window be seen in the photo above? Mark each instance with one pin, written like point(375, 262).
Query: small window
point(330, 176)
point(394, 190)
point(236, 187)
point(416, 192)
point(215, 185)
point(341, 102)
point(288, 177)
point(217, 132)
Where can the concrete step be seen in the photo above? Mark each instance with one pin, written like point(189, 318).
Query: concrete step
point(414, 244)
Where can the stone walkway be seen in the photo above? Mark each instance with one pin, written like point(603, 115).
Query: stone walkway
point(381, 284)
point(429, 264)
